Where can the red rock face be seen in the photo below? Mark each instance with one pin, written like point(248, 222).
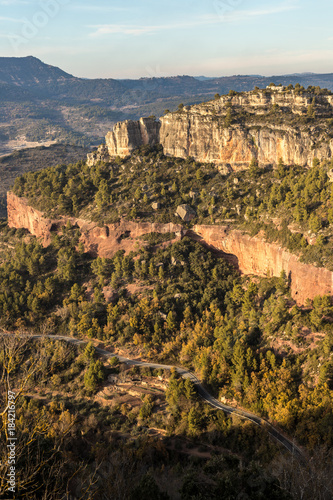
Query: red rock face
point(252, 255)
point(258, 257)
point(103, 241)
point(20, 214)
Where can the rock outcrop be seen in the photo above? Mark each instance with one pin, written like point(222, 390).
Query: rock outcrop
point(185, 212)
point(252, 255)
point(219, 132)
point(101, 154)
point(257, 256)
point(103, 241)
point(129, 135)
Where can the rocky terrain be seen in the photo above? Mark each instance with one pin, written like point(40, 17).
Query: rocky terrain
point(231, 131)
point(252, 255)
point(41, 103)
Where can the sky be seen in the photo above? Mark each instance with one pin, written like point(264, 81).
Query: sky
point(154, 38)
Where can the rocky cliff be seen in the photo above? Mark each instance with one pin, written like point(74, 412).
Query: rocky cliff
point(258, 257)
point(232, 130)
point(103, 241)
point(127, 136)
point(252, 255)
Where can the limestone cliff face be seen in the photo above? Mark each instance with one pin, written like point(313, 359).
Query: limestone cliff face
point(200, 131)
point(258, 257)
point(129, 135)
point(206, 139)
point(103, 241)
point(252, 255)
point(101, 154)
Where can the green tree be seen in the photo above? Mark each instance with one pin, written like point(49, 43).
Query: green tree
point(94, 375)
point(189, 390)
point(161, 273)
point(196, 420)
point(89, 351)
point(148, 489)
point(228, 118)
point(147, 407)
point(254, 168)
point(314, 223)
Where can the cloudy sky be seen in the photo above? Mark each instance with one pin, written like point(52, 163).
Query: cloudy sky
point(140, 38)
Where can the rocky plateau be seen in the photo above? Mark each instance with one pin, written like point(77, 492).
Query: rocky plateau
point(232, 130)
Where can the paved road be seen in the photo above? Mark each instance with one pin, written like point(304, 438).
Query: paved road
point(278, 436)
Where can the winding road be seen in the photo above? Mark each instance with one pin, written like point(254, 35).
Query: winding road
point(272, 431)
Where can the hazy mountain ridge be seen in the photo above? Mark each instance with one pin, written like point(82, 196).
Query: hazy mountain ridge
point(30, 72)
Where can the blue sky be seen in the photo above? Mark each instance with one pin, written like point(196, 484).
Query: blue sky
point(146, 38)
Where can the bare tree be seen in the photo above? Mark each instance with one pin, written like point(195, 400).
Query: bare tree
point(306, 480)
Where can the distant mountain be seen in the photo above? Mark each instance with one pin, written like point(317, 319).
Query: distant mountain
point(29, 72)
point(13, 93)
point(46, 81)
point(306, 73)
point(42, 103)
point(204, 78)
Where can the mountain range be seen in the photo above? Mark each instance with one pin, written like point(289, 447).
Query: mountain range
point(42, 104)
point(40, 79)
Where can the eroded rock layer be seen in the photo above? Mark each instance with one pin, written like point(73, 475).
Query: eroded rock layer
point(98, 241)
point(253, 255)
point(257, 256)
point(129, 135)
point(232, 130)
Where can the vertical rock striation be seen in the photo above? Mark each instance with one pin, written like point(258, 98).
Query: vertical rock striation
point(258, 127)
point(128, 135)
point(258, 257)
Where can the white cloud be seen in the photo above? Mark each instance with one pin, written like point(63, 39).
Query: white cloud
point(127, 29)
point(111, 29)
point(14, 2)
point(98, 8)
point(10, 20)
point(205, 20)
point(230, 14)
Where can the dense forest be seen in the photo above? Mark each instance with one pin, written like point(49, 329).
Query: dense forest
point(175, 303)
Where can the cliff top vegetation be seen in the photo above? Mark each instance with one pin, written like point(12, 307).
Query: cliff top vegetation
point(292, 205)
point(289, 106)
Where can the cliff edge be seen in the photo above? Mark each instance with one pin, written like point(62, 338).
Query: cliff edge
point(230, 131)
point(253, 255)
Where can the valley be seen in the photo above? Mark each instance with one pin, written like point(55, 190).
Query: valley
point(201, 240)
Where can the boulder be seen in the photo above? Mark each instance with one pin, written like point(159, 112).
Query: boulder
point(186, 212)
